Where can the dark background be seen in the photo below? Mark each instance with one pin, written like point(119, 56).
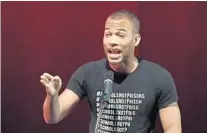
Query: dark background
point(57, 37)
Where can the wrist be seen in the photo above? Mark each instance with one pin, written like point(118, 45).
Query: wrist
point(52, 96)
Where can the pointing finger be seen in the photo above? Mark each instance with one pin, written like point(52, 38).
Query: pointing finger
point(44, 78)
point(48, 76)
point(44, 83)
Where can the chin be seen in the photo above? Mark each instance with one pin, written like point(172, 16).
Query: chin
point(115, 61)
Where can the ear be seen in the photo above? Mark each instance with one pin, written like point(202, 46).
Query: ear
point(137, 39)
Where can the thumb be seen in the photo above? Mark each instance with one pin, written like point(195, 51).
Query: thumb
point(57, 82)
point(56, 79)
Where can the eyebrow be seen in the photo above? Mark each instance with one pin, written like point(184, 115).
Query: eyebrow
point(118, 29)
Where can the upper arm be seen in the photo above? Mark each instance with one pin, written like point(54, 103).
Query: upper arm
point(167, 91)
point(75, 91)
point(67, 100)
point(167, 103)
point(170, 117)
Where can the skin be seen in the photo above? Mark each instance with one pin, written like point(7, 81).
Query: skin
point(119, 35)
point(120, 39)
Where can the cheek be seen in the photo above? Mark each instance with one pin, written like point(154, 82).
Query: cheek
point(126, 49)
point(104, 45)
point(105, 42)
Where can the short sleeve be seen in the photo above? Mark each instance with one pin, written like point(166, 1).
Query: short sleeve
point(167, 91)
point(77, 82)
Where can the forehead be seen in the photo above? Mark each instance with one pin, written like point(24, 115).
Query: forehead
point(122, 23)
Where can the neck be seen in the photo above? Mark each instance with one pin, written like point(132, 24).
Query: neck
point(127, 66)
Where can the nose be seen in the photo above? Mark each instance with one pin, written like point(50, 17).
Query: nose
point(113, 42)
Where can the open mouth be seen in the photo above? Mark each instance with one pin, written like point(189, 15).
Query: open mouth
point(116, 51)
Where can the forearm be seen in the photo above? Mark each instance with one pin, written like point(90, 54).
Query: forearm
point(51, 109)
point(174, 129)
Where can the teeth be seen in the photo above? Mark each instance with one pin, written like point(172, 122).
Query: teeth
point(115, 52)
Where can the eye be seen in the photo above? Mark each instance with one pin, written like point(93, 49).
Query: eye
point(121, 35)
point(107, 34)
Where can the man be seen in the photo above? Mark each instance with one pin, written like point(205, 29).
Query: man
point(141, 89)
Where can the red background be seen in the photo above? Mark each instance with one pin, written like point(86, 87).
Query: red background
point(57, 37)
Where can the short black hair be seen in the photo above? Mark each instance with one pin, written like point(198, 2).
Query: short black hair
point(127, 14)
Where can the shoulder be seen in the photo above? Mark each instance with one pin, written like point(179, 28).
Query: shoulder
point(154, 68)
point(155, 73)
point(93, 65)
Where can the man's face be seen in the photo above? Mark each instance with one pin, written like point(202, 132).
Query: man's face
point(118, 40)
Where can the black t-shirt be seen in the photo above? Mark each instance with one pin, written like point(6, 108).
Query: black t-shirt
point(135, 99)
